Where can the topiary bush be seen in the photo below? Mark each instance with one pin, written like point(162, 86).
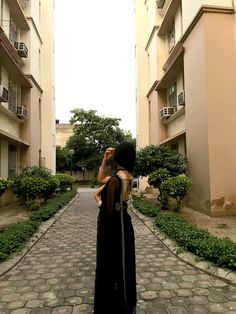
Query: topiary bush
point(34, 184)
point(65, 181)
point(177, 187)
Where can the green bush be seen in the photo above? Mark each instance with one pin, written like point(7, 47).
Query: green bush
point(48, 211)
point(221, 251)
point(155, 180)
point(13, 238)
point(3, 185)
point(176, 187)
point(153, 157)
point(65, 181)
point(34, 183)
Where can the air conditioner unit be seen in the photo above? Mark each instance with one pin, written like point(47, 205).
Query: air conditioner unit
point(22, 112)
point(4, 94)
point(166, 112)
point(181, 99)
point(160, 4)
point(21, 49)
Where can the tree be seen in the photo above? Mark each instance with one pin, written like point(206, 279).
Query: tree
point(61, 159)
point(152, 157)
point(92, 135)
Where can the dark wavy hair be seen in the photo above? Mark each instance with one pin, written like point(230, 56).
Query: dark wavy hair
point(125, 155)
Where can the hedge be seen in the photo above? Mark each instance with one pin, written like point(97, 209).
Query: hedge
point(221, 251)
point(13, 238)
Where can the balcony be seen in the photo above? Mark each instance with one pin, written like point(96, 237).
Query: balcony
point(169, 17)
point(171, 71)
point(18, 14)
point(12, 61)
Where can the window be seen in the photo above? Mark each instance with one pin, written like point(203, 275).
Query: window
point(172, 95)
point(12, 160)
point(171, 40)
point(12, 31)
point(14, 96)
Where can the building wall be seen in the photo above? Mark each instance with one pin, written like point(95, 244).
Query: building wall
point(205, 129)
point(48, 129)
point(34, 137)
point(63, 133)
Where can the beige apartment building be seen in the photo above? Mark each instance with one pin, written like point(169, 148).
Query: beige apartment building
point(186, 92)
point(27, 114)
point(63, 132)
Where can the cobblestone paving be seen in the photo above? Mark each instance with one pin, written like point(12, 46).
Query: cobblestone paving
point(57, 275)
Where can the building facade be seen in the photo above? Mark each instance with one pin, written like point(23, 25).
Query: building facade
point(186, 92)
point(63, 132)
point(27, 104)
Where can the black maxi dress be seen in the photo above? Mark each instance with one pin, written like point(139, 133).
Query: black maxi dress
point(115, 278)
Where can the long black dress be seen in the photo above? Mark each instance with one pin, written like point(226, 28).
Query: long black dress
point(115, 281)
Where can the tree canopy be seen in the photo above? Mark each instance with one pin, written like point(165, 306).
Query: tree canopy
point(152, 157)
point(92, 135)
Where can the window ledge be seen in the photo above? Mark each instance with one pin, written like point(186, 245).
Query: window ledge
point(10, 114)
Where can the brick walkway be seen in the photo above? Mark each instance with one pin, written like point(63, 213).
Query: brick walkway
point(57, 275)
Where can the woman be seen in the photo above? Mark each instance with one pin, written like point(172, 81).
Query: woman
point(115, 282)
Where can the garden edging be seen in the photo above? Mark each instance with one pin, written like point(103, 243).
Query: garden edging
point(226, 274)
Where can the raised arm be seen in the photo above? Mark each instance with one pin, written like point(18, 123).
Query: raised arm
point(102, 177)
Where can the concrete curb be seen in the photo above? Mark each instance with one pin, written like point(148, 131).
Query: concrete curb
point(43, 228)
point(222, 273)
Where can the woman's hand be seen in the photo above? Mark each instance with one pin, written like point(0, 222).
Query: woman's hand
point(108, 153)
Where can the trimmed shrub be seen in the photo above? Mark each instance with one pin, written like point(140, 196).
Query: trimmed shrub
point(221, 251)
point(145, 207)
point(176, 187)
point(13, 238)
point(65, 181)
point(155, 179)
point(35, 183)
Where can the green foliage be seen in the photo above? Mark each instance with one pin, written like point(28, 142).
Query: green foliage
point(151, 158)
point(48, 211)
point(158, 176)
point(3, 185)
point(34, 183)
point(145, 207)
point(65, 181)
point(155, 179)
point(177, 187)
point(13, 238)
point(62, 159)
point(92, 135)
point(221, 251)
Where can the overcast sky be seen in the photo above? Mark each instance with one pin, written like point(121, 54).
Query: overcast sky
point(94, 59)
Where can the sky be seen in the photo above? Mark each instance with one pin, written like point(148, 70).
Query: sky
point(94, 59)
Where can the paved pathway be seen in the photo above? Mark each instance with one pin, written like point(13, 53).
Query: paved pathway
point(57, 275)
